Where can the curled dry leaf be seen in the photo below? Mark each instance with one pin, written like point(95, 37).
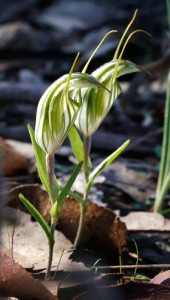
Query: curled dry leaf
point(17, 282)
point(162, 278)
point(82, 282)
point(30, 247)
point(12, 162)
point(101, 229)
point(35, 194)
point(128, 291)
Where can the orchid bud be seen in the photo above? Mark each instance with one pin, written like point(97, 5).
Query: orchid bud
point(56, 111)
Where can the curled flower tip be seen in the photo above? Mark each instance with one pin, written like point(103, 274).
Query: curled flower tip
point(123, 49)
point(94, 52)
point(123, 36)
point(70, 73)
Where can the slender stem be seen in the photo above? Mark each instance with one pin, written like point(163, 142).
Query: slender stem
point(50, 170)
point(51, 247)
point(87, 146)
point(83, 208)
point(80, 227)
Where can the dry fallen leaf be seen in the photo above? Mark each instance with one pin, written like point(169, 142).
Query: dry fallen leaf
point(128, 291)
point(102, 229)
point(162, 278)
point(129, 181)
point(16, 281)
point(146, 221)
point(35, 194)
point(30, 246)
point(12, 162)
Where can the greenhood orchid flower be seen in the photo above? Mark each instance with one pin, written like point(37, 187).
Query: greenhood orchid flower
point(57, 111)
point(97, 103)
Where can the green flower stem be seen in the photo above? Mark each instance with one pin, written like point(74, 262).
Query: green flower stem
point(51, 247)
point(50, 170)
point(83, 208)
point(87, 147)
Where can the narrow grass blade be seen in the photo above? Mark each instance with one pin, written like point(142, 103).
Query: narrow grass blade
point(105, 163)
point(137, 261)
point(56, 208)
point(165, 157)
point(77, 146)
point(168, 10)
point(35, 213)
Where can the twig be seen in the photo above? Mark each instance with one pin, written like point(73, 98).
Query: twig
point(125, 267)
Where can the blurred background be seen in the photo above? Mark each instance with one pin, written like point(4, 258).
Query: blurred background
point(39, 40)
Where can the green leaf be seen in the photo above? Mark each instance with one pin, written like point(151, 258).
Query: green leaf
point(41, 164)
point(164, 173)
point(137, 261)
point(56, 208)
point(77, 146)
point(105, 163)
point(73, 195)
point(35, 213)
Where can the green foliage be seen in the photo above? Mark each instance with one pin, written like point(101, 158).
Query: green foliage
point(137, 261)
point(77, 146)
point(164, 174)
point(168, 10)
point(35, 213)
point(56, 208)
point(105, 163)
point(94, 266)
point(41, 165)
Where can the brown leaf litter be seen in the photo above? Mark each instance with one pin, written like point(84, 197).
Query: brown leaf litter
point(101, 226)
point(17, 282)
point(12, 162)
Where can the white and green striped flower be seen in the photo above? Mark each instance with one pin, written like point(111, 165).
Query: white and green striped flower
point(97, 103)
point(57, 111)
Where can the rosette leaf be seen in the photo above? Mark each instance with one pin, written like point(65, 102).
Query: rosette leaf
point(57, 110)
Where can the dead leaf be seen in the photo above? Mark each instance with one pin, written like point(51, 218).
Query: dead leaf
point(128, 291)
point(35, 194)
point(82, 282)
point(30, 246)
point(100, 229)
point(129, 181)
point(16, 281)
point(24, 149)
point(162, 278)
point(146, 221)
point(12, 162)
